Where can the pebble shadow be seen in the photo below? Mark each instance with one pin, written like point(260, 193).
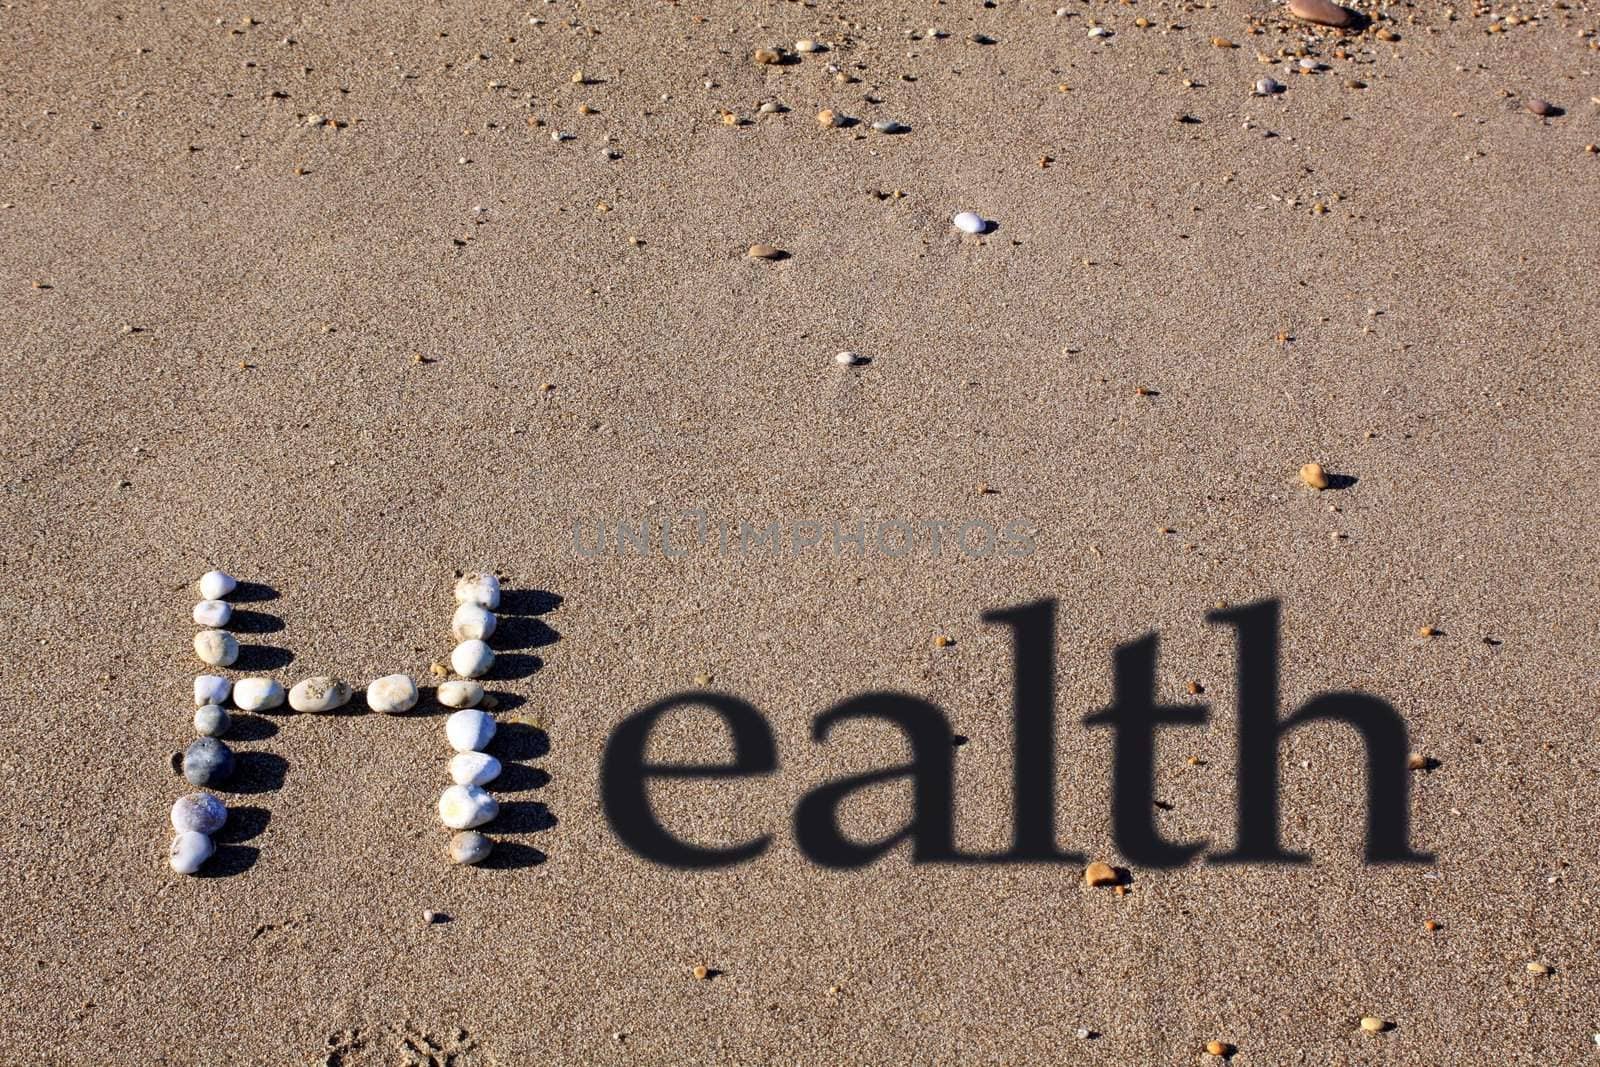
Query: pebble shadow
point(252, 593)
point(245, 727)
point(244, 822)
point(229, 860)
point(254, 622)
point(262, 658)
point(257, 772)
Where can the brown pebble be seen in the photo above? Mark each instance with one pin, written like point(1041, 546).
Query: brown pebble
point(1314, 476)
point(1431, 925)
point(1099, 874)
point(1539, 107)
point(1539, 969)
point(1427, 631)
point(1417, 761)
point(702, 972)
point(1222, 42)
point(437, 669)
point(1374, 1025)
point(1323, 13)
point(827, 118)
point(1218, 1048)
point(943, 641)
point(768, 57)
point(1194, 688)
point(765, 252)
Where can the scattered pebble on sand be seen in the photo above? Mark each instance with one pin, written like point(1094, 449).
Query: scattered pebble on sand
point(827, 118)
point(849, 359)
point(1417, 761)
point(1323, 13)
point(1268, 87)
point(216, 648)
point(1218, 1048)
point(214, 585)
point(806, 45)
point(768, 57)
point(943, 641)
point(319, 693)
point(470, 847)
point(1431, 925)
point(1427, 631)
point(1539, 970)
point(702, 972)
point(1313, 475)
point(1372, 1024)
point(969, 222)
point(1542, 108)
point(766, 252)
point(1099, 874)
point(888, 126)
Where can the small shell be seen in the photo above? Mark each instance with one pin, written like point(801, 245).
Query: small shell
point(469, 730)
point(469, 846)
point(189, 850)
point(472, 622)
point(213, 613)
point(460, 694)
point(461, 807)
point(210, 689)
point(212, 720)
point(969, 222)
point(478, 588)
point(198, 812)
point(320, 693)
point(214, 585)
point(472, 659)
point(257, 694)
point(216, 648)
point(207, 761)
point(473, 768)
point(392, 693)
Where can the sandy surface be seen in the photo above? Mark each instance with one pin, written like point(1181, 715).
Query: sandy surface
point(1430, 338)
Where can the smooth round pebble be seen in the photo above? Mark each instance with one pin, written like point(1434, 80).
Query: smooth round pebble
point(214, 585)
point(478, 588)
point(1542, 108)
point(1322, 12)
point(213, 613)
point(460, 694)
point(198, 812)
point(461, 807)
point(848, 359)
point(469, 847)
point(211, 689)
point(1268, 87)
point(257, 694)
point(319, 693)
point(888, 126)
point(1313, 475)
point(471, 659)
point(392, 693)
point(807, 45)
point(472, 622)
point(769, 108)
point(189, 850)
point(969, 222)
point(473, 768)
point(212, 720)
point(469, 729)
point(216, 648)
point(207, 761)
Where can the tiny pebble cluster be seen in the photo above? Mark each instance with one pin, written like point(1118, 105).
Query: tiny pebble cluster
point(207, 761)
point(466, 805)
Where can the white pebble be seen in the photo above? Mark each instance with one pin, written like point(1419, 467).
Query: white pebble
point(481, 589)
point(473, 768)
point(1267, 87)
point(320, 693)
point(1099, 31)
point(460, 694)
point(472, 622)
point(471, 659)
point(213, 613)
point(392, 693)
point(210, 689)
point(216, 648)
point(469, 729)
point(214, 585)
point(189, 850)
point(848, 359)
point(769, 108)
point(461, 807)
point(470, 847)
point(198, 812)
point(257, 694)
point(806, 44)
point(969, 222)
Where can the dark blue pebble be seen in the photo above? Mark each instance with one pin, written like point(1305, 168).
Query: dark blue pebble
point(207, 762)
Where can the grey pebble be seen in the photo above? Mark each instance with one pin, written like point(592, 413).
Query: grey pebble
point(207, 761)
point(212, 720)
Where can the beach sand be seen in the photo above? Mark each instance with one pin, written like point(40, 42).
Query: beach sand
point(300, 353)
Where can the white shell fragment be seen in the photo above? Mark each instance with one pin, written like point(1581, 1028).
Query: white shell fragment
point(257, 694)
point(469, 730)
point(473, 768)
point(211, 720)
point(216, 648)
point(472, 622)
point(478, 588)
point(461, 807)
point(471, 659)
point(320, 693)
point(969, 222)
point(213, 613)
point(392, 693)
point(210, 689)
point(189, 850)
point(469, 846)
point(460, 694)
point(198, 812)
point(214, 585)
